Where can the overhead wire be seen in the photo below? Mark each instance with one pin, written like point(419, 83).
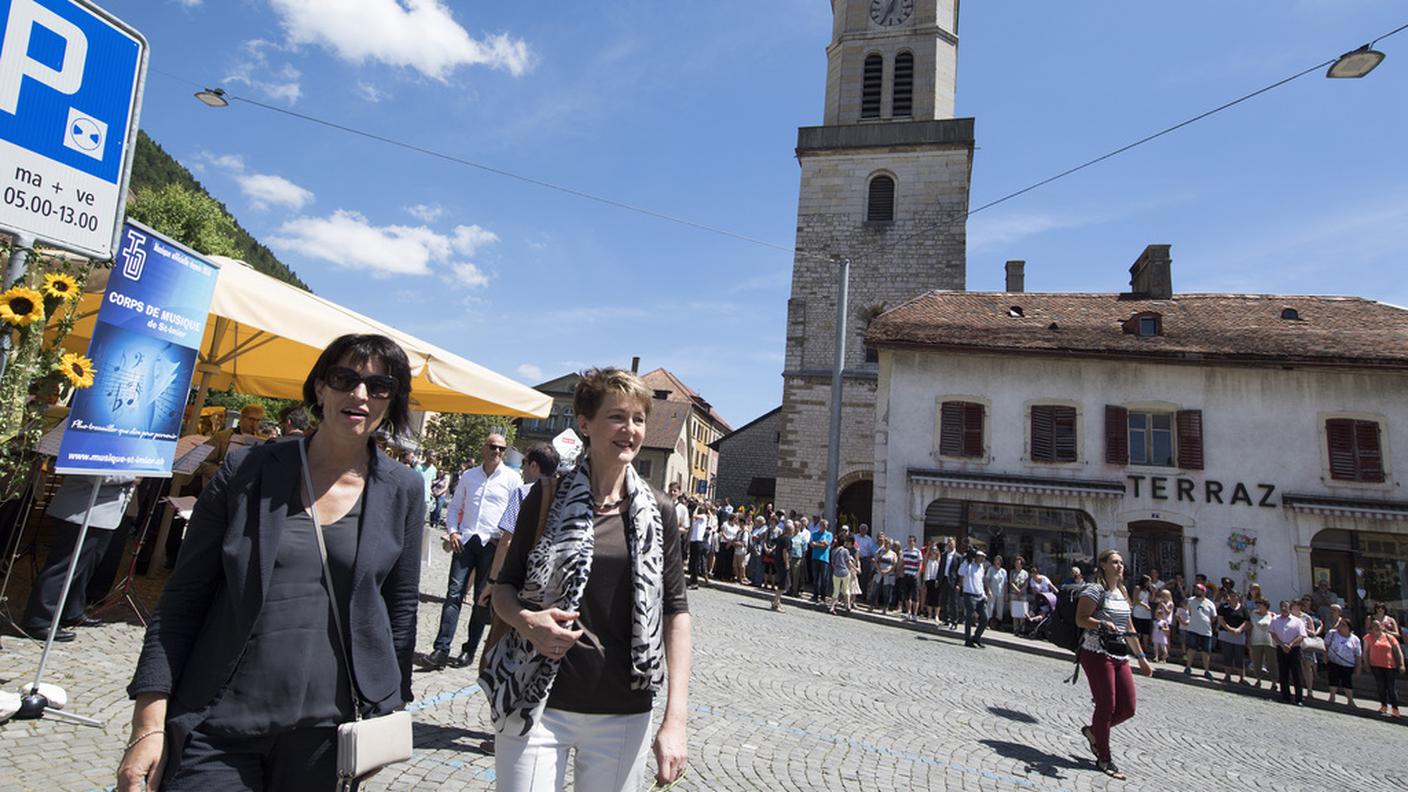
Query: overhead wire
point(870, 252)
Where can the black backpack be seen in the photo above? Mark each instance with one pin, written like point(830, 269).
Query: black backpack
point(1064, 631)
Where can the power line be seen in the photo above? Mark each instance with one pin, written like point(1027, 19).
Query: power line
point(865, 253)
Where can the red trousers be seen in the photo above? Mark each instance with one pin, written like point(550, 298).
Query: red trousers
point(1112, 688)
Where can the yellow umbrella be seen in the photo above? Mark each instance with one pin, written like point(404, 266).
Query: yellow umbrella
point(263, 336)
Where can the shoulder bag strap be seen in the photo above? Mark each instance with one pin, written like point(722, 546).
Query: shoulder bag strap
point(311, 506)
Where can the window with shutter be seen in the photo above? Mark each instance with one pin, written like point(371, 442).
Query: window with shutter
point(1356, 450)
point(1116, 435)
point(1053, 433)
point(1189, 424)
point(961, 429)
point(903, 103)
point(872, 84)
point(880, 203)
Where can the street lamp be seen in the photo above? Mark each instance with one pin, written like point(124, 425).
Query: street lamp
point(215, 97)
point(1356, 64)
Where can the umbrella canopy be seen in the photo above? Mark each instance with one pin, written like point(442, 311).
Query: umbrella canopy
point(263, 336)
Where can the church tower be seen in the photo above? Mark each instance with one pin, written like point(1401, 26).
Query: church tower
point(885, 183)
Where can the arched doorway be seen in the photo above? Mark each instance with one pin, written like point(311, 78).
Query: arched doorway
point(853, 506)
point(1154, 544)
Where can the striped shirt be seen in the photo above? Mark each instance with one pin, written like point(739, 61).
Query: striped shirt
point(912, 557)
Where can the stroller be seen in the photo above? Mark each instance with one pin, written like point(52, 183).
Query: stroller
point(1038, 623)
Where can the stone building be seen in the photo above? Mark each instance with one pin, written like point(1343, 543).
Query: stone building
point(748, 460)
point(1256, 437)
point(884, 182)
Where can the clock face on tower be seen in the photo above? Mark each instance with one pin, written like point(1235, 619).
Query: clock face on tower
point(890, 12)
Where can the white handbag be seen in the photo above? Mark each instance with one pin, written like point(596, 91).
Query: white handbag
point(364, 745)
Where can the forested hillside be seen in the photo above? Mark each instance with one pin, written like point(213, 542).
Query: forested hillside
point(153, 168)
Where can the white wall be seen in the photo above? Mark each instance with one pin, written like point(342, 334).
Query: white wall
point(1262, 425)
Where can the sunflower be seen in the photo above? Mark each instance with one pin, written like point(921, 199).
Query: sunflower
point(77, 368)
point(22, 307)
point(60, 285)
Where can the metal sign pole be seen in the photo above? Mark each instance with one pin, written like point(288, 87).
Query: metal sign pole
point(19, 257)
point(35, 705)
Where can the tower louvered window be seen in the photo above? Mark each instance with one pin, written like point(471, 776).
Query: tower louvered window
point(871, 86)
point(880, 204)
point(904, 85)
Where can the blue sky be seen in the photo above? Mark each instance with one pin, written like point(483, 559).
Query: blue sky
point(691, 109)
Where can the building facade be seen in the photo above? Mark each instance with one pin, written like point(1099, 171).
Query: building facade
point(532, 431)
point(1256, 437)
point(703, 427)
point(748, 460)
point(884, 183)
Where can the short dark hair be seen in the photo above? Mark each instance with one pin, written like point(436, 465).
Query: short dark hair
point(358, 349)
point(545, 456)
point(297, 417)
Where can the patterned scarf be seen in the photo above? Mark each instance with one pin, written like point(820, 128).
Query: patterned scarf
point(517, 678)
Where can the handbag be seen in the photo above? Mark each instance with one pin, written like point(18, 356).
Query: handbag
point(1313, 644)
point(364, 745)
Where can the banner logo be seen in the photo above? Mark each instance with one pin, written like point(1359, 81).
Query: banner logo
point(134, 255)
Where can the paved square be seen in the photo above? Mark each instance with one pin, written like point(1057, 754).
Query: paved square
point(806, 701)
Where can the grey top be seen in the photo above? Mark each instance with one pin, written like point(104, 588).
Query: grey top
point(71, 500)
point(292, 674)
point(1115, 610)
point(841, 562)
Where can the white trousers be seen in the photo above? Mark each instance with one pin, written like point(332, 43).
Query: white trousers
point(610, 753)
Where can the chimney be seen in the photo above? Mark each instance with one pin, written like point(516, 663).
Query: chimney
point(635, 364)
point(1151, 275)
point(1016, 275)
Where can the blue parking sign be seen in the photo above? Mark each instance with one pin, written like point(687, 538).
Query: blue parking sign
point(71, 80)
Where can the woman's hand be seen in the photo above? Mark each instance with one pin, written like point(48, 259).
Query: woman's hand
point(547, 633)
point(1144, 667)
point(142, 764)
point(670, 751)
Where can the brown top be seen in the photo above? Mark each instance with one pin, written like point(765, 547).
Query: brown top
point(1335, 331)
point(592, 681)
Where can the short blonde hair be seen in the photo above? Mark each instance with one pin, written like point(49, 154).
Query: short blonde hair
point(597, 382)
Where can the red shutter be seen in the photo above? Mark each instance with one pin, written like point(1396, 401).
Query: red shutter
point(1063, 424)
point(1188, 428)
point(1116, 435)
point(1339, 436)
point(972, 430)
point(1043, 440)
point(951, 429)
point(1367, 452)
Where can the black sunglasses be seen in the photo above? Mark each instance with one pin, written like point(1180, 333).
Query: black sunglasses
point(341, 378)
point(498, 448)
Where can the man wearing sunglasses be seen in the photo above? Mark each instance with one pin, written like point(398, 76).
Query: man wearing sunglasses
point(472, 534)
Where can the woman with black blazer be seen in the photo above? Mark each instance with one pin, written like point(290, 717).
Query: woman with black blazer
point(242, 680)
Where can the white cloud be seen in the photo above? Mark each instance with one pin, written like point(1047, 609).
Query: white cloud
point(371, 93)
point(347, 239)
point(428, 213)
point(255, 71)
point(264, 190)
point(469, 239)
point(419, 34)
point(190, 3)
point(529, 372)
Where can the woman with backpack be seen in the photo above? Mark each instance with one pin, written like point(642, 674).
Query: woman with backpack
point(1108, 639)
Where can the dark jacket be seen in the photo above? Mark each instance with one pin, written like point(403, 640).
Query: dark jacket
point(208, 609)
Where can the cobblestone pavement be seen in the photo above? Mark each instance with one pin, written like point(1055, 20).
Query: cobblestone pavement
point(805, 701)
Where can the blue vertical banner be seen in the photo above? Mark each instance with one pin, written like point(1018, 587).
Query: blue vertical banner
point(144, 348)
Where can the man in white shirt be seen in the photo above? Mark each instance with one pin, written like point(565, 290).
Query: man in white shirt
point(972, 577)
point(1288, 632)
point(479, 502)
point(1202, 613)
point(865, 551)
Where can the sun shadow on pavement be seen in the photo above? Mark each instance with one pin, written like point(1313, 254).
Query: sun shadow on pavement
point(432, 736)
point(1010, 714)
point(1035, 760)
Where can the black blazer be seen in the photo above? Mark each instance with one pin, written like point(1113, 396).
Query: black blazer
point(215, 594)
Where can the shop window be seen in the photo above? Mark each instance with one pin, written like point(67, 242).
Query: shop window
point(1355, 450)
point(961, 429)
point(1053, 433)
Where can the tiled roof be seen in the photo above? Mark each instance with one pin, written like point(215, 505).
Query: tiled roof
point(666, 422)
point(664, 380)
point(1212, 327)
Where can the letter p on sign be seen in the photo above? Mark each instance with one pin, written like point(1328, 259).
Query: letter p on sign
point(16, 63)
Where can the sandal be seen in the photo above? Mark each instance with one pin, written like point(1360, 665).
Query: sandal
point(1090, 739)
point(1108, 768)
